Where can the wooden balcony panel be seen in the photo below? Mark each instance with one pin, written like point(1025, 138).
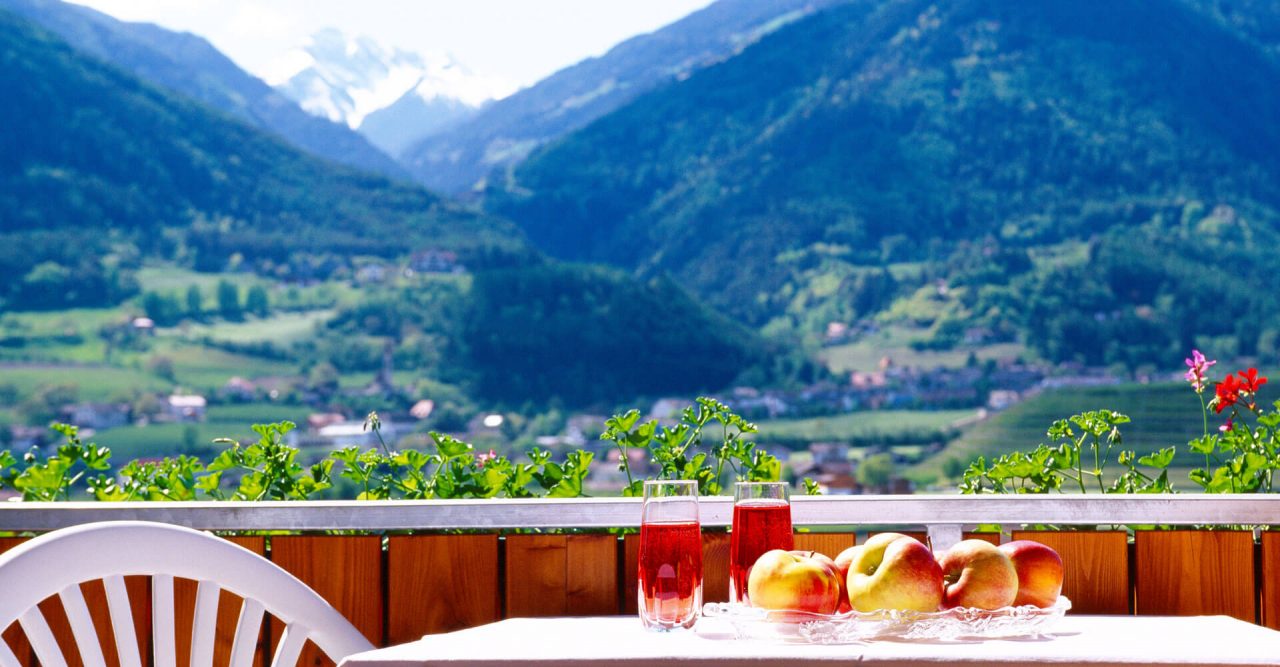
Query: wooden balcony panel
point(558, 575)
point(592, 574)
point(536, 580)
point(344, 570)
point(830, 544)
point(1270, 593)
point(1186, 573)
point(715, 566)
point(440, 583)
point(630, 592)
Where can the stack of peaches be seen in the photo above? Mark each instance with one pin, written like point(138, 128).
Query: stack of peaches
point(895, 571)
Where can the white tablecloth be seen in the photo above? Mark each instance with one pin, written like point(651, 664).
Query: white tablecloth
point(616, 640)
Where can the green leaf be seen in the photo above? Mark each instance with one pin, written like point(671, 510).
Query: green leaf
point(1204, 444)
point(449, 446)
point(1160, 459)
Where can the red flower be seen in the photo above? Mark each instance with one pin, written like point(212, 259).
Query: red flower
point(1227, 393)
point(1251, 380)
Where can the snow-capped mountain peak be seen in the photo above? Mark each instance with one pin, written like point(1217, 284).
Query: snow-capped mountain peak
point(345, 79)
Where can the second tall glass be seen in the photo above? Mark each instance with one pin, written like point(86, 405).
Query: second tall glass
point(761, 522)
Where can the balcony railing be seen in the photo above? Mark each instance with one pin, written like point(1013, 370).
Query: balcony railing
point(401, 569)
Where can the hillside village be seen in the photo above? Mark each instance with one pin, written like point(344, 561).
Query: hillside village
point(982, 388)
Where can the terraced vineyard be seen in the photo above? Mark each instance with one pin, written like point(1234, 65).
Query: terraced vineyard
point(1162, 414)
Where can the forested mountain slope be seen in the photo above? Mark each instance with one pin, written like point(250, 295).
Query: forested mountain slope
point(191, 66)
point(976, 136)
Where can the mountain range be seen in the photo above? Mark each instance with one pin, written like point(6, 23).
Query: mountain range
point(188, 64)
point(392, 96)
point(506, 131)
point(102, 173)
point(1061, 174)
point(93, 153)
point(876, 133)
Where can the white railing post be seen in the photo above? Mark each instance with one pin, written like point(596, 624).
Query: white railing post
point(943, 536)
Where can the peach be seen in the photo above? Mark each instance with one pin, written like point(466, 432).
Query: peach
point(1039, 570)
point(892, 571)
point(978, 574)
point(794, 580)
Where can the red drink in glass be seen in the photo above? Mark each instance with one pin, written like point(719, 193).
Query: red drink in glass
point(671, 572)
point(758, 526)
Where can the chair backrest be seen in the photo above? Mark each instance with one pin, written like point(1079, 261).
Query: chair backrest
point(58, 562)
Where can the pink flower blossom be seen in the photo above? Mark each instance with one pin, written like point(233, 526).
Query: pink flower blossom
point(485, 458)
point(1197, 365)
point(1226, 428)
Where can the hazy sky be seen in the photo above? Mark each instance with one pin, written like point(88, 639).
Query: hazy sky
point(519, 41)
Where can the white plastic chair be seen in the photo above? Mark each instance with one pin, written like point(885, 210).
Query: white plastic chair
point(59, 561)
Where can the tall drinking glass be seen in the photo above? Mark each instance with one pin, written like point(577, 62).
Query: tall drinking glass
point(761, 522)
point(670, 576)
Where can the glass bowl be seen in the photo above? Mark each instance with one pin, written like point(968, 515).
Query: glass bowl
point(851, 627)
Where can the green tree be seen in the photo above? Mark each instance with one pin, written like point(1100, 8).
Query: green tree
point(46, 401)
point(163, 308)
point(146, 405)
point(195, 302)
point(323, 378)
point(46, 285)
point(162, 367)
point(190, 438)
point(257, 302)
point(229, 300)
point(876, 470)
point(953, 467)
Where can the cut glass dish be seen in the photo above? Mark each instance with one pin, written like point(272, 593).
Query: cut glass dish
point(851, 627)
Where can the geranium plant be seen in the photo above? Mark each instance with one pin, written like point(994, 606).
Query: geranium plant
point(1243, 453)
point(1076, 458)
point(1240, 456)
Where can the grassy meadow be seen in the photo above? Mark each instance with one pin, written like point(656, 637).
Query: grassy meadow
point(916, 426)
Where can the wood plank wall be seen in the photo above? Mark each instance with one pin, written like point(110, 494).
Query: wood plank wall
point(395, 589)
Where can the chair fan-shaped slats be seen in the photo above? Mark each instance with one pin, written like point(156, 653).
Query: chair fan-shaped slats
point(82, 626)
point(205, 624)
point(122, 621)
point(7, 658)
point(290, 646)
point(41, 638)
point(109, 551)
point(246, 639)
point(163, 636)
